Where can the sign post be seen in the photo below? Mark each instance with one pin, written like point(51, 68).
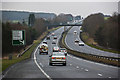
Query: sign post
point(18, 37)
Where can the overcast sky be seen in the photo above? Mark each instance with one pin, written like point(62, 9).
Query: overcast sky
point(75, 8)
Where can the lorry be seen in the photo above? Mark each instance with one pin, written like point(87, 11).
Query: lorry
point(43, 48)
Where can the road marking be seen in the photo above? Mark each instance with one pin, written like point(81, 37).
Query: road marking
point(100, 75)
point(92, 62)
point(77, 67)
point(39, 66)
point(86, 70)
point(70, 64)
point(82, 68)
point(75, 43)
point(109, 77)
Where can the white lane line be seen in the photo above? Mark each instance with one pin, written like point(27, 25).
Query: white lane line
point(100, 75)
point(70, 64)
point(41, 64)
point(40, 67)
point(92, 62)
point(82, 68)
point(77, 67)
point(109, 77)
point(86, 70)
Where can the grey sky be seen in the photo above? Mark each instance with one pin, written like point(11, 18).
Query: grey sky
point(75, 8)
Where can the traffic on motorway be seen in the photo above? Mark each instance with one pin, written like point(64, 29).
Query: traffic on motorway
point(51, 61)
point(58, 55)
point(74, 42)
point(56, 62)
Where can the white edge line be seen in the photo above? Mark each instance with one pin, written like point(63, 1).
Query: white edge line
point(67, 44)
point(40, 67)
point(3, 75)
point(100, 75)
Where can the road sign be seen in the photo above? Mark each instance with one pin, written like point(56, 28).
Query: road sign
point(18, 37)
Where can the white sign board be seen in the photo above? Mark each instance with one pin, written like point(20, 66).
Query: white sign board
point(17, 35)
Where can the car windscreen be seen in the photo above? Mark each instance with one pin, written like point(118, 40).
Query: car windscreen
point(62, 49)
point(58, 54)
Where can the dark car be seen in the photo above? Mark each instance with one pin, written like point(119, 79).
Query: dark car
point(45, 42)
point(76, 41)
point(55, 37)
point(53, 42)
point(48, 37)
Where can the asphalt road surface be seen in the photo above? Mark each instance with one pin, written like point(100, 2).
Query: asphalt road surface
point(38, 67)
point(70, 41)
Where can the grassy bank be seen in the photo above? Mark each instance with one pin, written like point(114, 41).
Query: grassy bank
point(6, 62)
point(96, 58)
point(90, 42)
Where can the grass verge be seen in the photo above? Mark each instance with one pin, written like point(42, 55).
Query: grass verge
point(7, 63)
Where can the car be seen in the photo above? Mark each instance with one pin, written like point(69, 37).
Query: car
point(81, 44)
point(55, 37)
point(64, 51)
point(43, 49)
point(57, 58)
point(45, 42)
point(53, 34)
point(48, 38)
point(75, 32)
point(56, 49)
point(53, 42)
point(76, 41)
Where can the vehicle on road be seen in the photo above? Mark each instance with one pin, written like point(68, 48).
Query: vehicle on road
point(45, 42)
point(56, 49)
point(53, 34)
point(64, 51)
point(81, 44)
point(53, 42)
point(57, 58)
point(76, 41)
point(75, 32)
point(48, 38)
point(43, 48)
point(55, 37)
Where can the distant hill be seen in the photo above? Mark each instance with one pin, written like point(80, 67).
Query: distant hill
point(20, 15)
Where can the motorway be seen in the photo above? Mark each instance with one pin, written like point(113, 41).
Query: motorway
point(70, 38)
point(38, 67)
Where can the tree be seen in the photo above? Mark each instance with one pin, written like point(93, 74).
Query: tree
point(105, 32)
point(6, 38)
point(31, 20)
point(40, 26)
point(99, 36)
point(92, 23)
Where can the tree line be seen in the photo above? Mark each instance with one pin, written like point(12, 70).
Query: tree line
point(103, 31)
point(32, 32)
